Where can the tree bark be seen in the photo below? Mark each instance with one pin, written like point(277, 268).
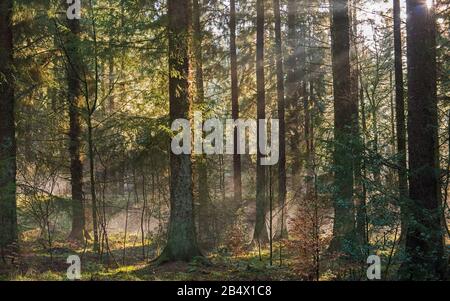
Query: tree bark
point(309, 196)
point(260, 235)
point(295, 75)
point(400, 118)
point(424, 238)
point(8, 215)
point(74, 98)
point(291, 100)
point(181, 241)
point(237, 179)
point(90, 110)
point(357, 94)
point(281, 118)
point(345, 130)
point(202, 164)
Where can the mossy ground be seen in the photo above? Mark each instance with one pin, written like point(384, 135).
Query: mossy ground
point(127, 263)
point(36, 263)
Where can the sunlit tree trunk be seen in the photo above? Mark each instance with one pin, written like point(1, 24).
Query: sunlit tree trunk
point(181, 240)
point(400, 117)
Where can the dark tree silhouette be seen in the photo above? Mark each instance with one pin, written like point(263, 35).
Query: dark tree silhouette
point(202, 163)
point(237, 179)
point(345, 129)
point(424, 238)
point(281, 115)
point(8, 217)
point(400, 115)
point(260, 236)
point(74, 100)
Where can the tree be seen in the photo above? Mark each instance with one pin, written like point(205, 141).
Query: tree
point(281, 117)
point(8, 215)
point(295, 64)
point(357, 93)
point(400, 115)
point(424, 237)
point(74, 99)
point(292, 96)
point(260, 235)
point(181, 240)
point(237, 179)
point(345, 129)
point(90, 109)
point(202, 163)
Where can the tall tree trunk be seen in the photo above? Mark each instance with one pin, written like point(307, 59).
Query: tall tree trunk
point(400, 118)
point(237, 177)
point(74, 97)
point(203, 190)
point(281, 118)
point(345, 130)
point(8, 215)
point(293, 87)
point(181, 240)
point(424, 238)
point(91, 108)
point(291, 100)
point(360, 202)
point(260, 236)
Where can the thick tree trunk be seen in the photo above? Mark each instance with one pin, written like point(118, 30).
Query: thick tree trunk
point(281, 118)
point(291, 100)
point(74, 96)
point(260, 236)
point(204, 234)
point(237, 179)
point(424, 238)
point(345, 130)
point(181, 240)
point(400, 118)
point(8, 215)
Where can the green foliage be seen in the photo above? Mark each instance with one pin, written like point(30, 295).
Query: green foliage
point(128, 109)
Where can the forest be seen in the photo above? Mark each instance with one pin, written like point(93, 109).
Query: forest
point(268, 140)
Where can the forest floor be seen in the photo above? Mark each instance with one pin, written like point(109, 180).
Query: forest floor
point(38, 263)
point(126, 262)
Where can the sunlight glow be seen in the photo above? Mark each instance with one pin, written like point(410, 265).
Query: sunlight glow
point(430, 4)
